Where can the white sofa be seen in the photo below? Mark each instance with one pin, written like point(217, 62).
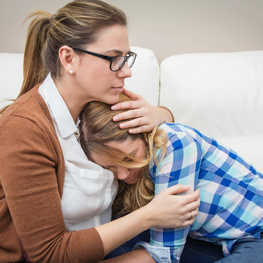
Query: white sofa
point(220, 94)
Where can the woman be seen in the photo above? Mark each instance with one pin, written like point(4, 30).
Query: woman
point(43, 167)
point(230, 216)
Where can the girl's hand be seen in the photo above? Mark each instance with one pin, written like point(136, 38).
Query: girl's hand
point(168, 210)
point(144, 116)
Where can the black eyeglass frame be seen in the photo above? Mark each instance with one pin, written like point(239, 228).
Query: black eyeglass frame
point(110, 58)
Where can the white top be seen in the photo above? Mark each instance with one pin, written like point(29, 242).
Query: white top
point(89, 190)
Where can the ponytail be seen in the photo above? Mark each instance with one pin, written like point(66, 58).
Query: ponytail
point(34, 69)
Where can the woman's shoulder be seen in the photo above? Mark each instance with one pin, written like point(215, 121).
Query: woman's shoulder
point(28, 107)
point(27, 117)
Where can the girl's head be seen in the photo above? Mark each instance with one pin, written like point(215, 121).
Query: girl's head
point(109, 146)
point(57, 44)
point(127, 155)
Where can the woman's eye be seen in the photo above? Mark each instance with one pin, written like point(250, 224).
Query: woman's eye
point(128, 160)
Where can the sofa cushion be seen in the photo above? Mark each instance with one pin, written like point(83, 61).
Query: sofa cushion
point(221, 94)
point(11, 76)
point(145, 75)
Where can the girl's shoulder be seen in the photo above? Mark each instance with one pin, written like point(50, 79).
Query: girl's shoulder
point(173, 129)
point(180, 130)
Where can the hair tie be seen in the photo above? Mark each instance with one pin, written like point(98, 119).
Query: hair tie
point(51, 19)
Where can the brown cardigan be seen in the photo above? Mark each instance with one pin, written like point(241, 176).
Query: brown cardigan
point(32, 173)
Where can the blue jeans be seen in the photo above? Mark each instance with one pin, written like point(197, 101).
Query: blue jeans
point(243, 251)
point(128, 246)
point(196, 251)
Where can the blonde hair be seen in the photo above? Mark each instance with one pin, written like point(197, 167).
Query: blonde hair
point(77, 24)
point(97, 128)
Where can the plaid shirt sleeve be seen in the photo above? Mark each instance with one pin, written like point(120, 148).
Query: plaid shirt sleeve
point(181, 165)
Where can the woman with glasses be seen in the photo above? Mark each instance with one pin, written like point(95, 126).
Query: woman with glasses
point(229, 224)
point(55, 204)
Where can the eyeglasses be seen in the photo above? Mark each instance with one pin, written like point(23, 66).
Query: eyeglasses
point(116, 62)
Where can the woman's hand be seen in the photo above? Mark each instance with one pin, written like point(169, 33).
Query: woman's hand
point(168, 210)
point(144, 116)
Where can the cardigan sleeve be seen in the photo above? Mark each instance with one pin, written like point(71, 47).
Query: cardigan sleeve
point(29, 166)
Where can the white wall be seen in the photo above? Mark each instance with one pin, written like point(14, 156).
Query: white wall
point(167, 27)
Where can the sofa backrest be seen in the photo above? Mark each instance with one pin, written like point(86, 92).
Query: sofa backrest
point(220, 94)
point(11, 76)
point(145, 75)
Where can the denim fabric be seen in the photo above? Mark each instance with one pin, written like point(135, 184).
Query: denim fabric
point(197, 251)
point(244, 251)
point(128, 246)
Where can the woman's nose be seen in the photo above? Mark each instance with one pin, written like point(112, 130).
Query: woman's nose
point(122, 173)
point(125, 71)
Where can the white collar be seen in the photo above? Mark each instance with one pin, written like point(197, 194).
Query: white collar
point(59, 109)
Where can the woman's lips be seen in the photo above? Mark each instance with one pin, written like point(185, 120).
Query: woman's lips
point(119, 88)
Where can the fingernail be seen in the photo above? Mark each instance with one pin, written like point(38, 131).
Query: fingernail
point(116, 118)
point(122, 125)
point(114, 107)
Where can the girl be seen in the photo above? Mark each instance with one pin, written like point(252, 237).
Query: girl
point(230, 216)
point(55, 204)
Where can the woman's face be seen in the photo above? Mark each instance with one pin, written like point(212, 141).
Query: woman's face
point(94, 79)
point(134, 148)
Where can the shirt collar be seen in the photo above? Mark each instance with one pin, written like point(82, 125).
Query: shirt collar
point(58, 108)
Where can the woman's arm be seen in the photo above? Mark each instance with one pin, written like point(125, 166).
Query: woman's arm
point(166, 210)
point(145, 116)
point(30, 209)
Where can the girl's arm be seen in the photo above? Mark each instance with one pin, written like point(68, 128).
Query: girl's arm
point(180, 166)
point(166, 210)
point(145, 116)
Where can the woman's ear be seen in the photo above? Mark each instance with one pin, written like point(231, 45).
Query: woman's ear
point(67, 59)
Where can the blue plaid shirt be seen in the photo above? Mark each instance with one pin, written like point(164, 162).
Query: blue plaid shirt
point(231, 193)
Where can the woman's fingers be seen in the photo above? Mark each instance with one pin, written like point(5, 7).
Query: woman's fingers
point(126, 105)
point(190, 217)
point(192, 202)
point(130, 114)
point(176, 189)
point(192, 206)
point(141, 116)
point(136, 102)
point(131, 94)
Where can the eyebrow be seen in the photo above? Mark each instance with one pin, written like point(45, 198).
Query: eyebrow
point(117, 51)
point(133, 152)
